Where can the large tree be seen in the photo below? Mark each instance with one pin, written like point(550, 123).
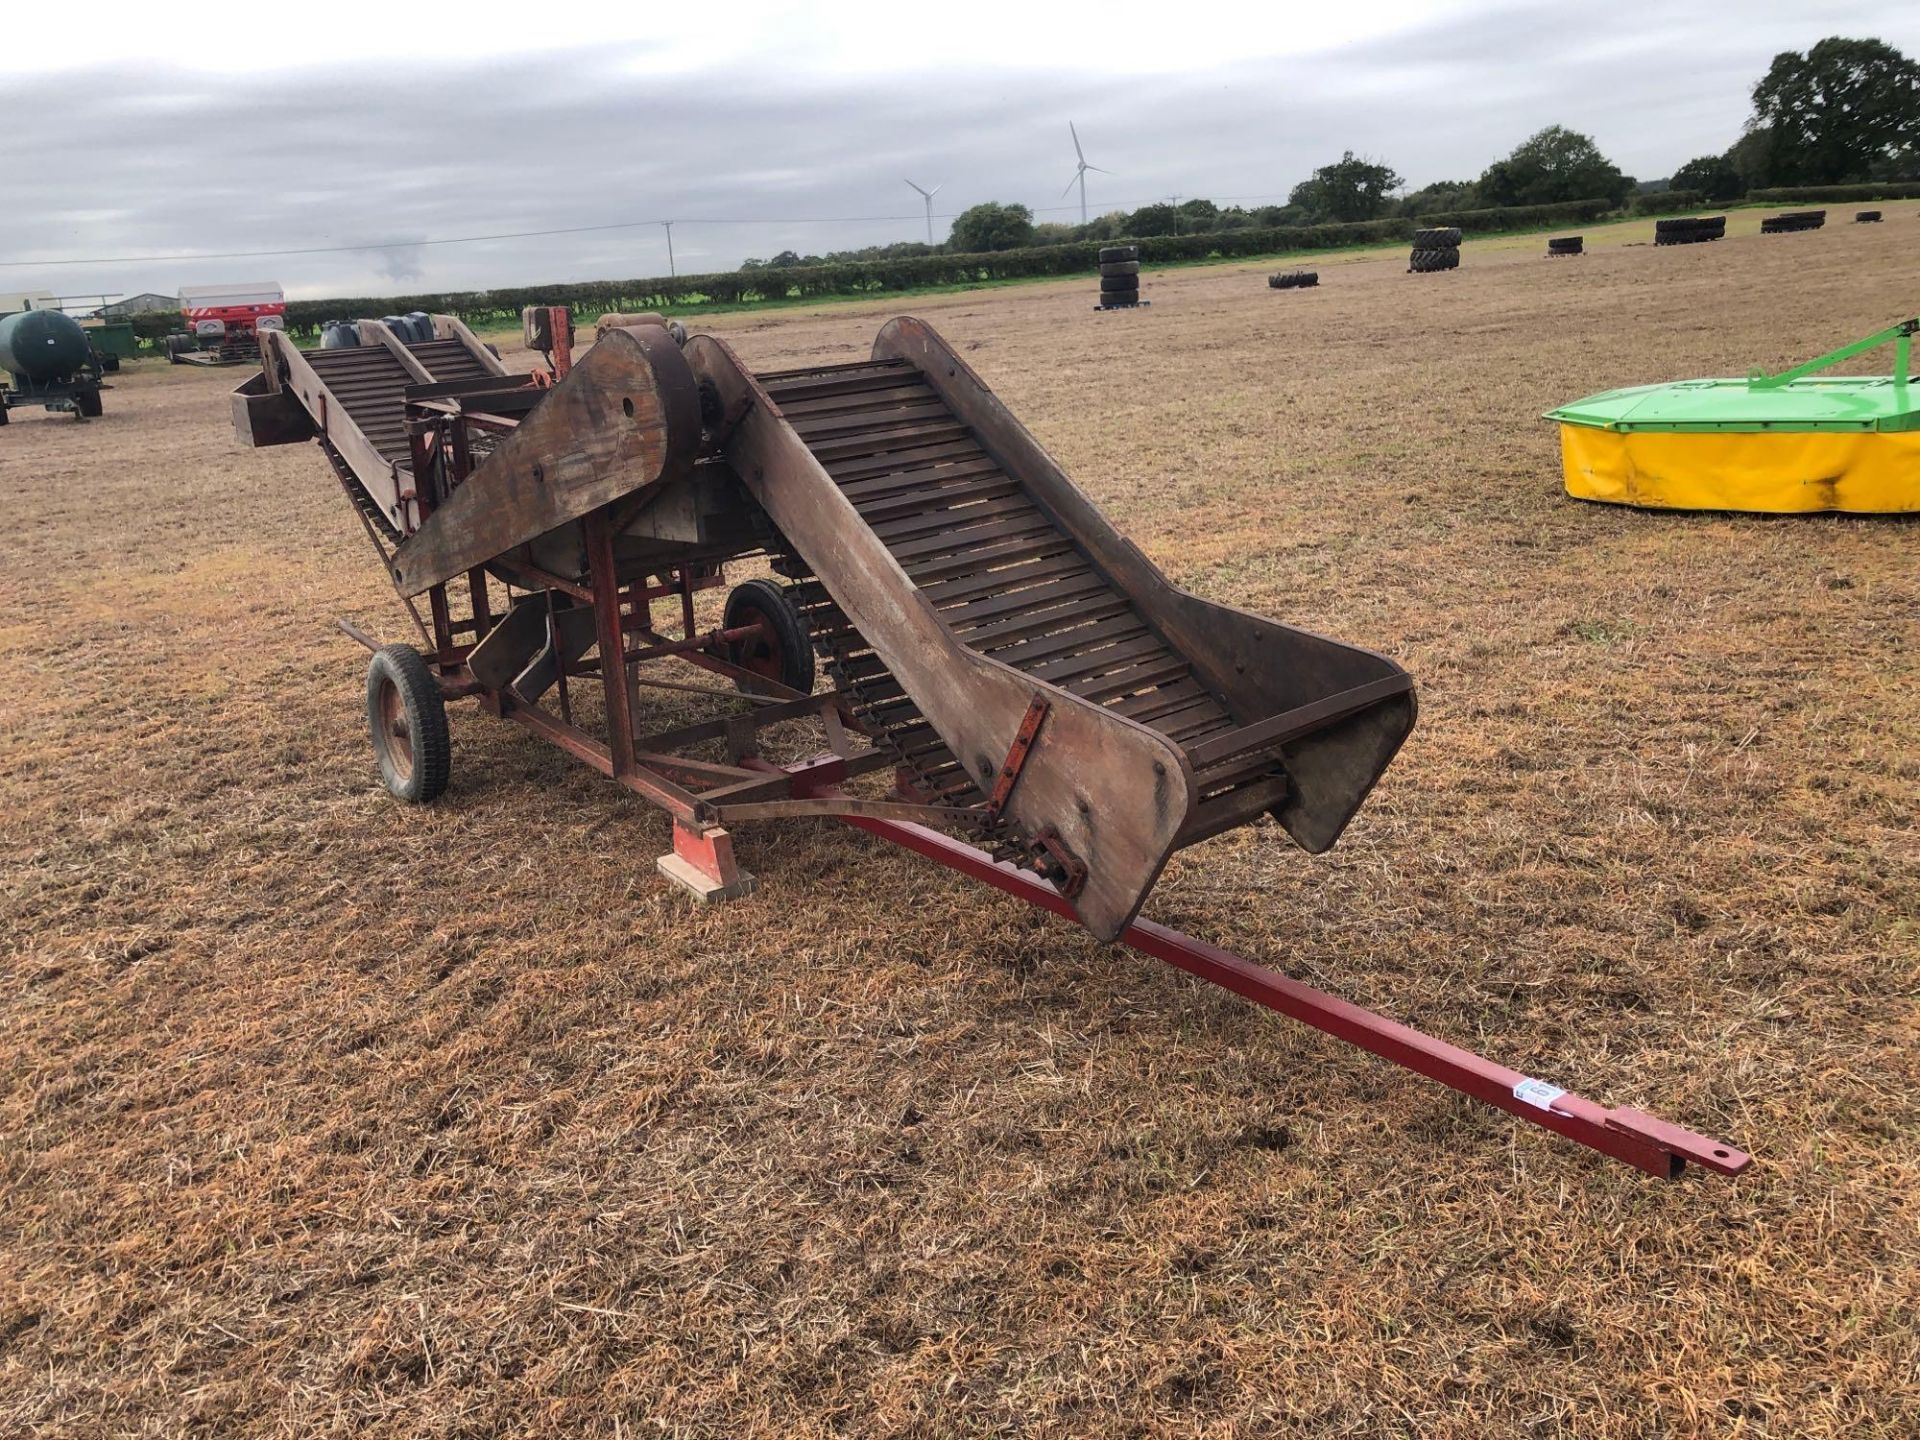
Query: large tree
point(990, 226)
point(1845, 110)
point(1441, 195)
point(1712, 177)
point(1751, 157)
point(1153, 220)
point(1352, 188)
point(1555, 165)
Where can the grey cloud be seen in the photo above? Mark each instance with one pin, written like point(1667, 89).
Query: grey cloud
point(750, 163)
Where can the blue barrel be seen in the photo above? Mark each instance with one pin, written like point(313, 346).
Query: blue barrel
point(42, 345)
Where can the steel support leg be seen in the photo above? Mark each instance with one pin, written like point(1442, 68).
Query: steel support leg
point(701, 863)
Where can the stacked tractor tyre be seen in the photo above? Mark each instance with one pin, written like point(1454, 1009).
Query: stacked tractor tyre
point(1690, 230)
point(1119, 277)
point(1434, 248)
point(1293, 280)
point(1792, 220)
point(1866, 217)
point(1567, 245)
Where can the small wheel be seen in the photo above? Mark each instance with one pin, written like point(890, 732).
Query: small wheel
point(407, 716)
point(781, 651)
point(88, 403)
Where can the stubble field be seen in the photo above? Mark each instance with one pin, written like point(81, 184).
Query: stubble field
point(324, 1116)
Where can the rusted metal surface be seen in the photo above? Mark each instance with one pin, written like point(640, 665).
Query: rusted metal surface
point(954, 577)
point(1017, 753)
point(1115, 791)
point(627, 417)
point(1241, 670)
point(1029, 676)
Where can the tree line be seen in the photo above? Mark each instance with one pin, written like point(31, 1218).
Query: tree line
point(1845, 111)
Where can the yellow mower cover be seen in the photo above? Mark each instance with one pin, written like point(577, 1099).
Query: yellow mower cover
point(1791, 443)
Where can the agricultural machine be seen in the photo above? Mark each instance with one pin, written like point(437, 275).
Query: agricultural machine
point(1055, 717)
point(225, 323)
point(1797, 442)
point(49, 362)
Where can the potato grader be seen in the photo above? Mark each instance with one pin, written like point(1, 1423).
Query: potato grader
point(1057, 718)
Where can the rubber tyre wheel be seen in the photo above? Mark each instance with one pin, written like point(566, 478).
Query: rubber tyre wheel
point(1441, 237)
point(88, 403)
point(1117, 254)
point(407, 718)
point(3, 414)
point(1119, 267)
point(786, 654)
point(1128, 301)
point(1119, 284)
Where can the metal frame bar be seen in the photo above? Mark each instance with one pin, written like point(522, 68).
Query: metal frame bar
point(1901, 335)
point(1641, 1140)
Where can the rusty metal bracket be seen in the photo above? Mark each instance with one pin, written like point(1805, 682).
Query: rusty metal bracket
point(1069, 870)
point(1009, 773)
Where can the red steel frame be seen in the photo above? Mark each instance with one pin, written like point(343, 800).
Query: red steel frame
point(702, 846)
point(1640, 1139)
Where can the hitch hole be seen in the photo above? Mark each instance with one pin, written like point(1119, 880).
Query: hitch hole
point(627, 405)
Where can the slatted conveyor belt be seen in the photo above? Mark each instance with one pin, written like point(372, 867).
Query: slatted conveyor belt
point(1003, 575)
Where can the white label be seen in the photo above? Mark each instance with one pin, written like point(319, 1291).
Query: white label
point(1538, 1093)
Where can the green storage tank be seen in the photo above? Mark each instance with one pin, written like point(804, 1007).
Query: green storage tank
point(42, 345)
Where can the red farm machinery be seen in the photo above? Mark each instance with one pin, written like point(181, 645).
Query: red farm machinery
point(225, 323)
point(1055, 717)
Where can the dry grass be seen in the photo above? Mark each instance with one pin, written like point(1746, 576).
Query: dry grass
point(322, 1117)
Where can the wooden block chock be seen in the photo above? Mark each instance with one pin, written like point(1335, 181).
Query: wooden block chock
point(701, 863)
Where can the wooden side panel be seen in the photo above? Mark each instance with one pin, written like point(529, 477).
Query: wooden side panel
point(375, 332)
point(1117, 792)
point(451, 327)
point(1260, 667)
point(331, 419)
point(628, 416)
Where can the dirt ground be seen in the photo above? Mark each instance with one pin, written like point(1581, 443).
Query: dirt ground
point(323, 1116)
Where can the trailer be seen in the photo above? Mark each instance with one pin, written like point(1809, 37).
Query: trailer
point(1055, 717)
point(47, 360)
point(225, 322)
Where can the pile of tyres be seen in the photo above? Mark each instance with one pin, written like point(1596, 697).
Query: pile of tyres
point(1866, 217)
point(1567, 245)
point(1435, 248)
point(1691, 230)
point(413, 328)
point(1119, 277)
point(1293, 280)
point(1792, 220)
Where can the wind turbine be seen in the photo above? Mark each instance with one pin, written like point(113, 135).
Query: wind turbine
point(929, 194)
point(1080, 172)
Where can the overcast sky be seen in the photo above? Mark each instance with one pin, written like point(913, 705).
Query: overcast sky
point(171, 131)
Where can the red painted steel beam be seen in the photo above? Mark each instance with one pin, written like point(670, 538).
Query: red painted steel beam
point(1639, 1139)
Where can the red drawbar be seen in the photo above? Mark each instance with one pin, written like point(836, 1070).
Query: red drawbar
point(1639, 1139)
